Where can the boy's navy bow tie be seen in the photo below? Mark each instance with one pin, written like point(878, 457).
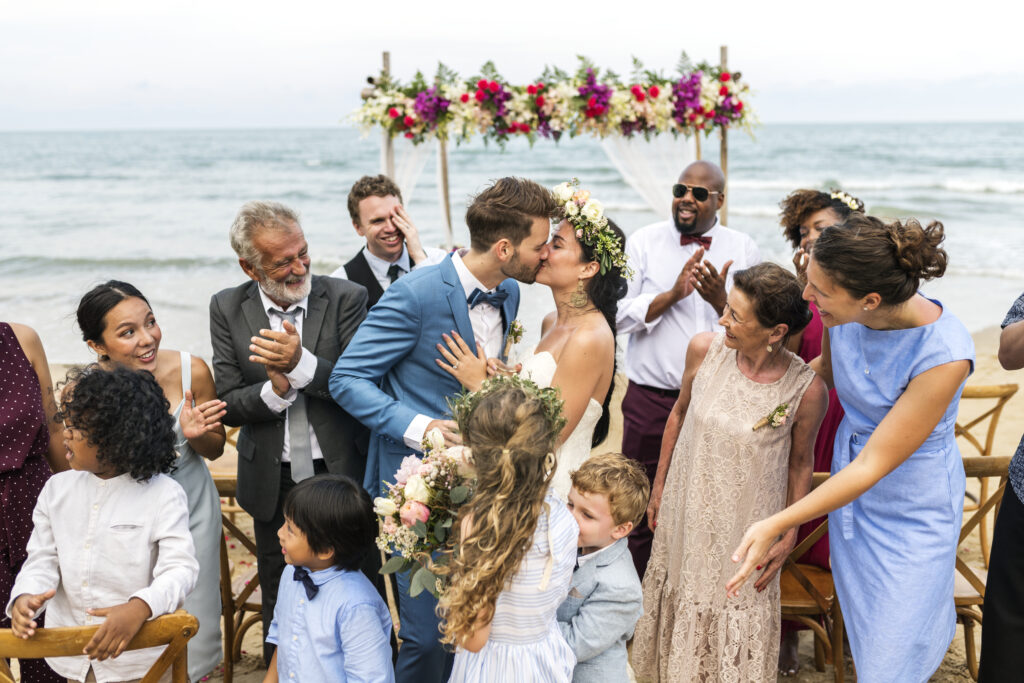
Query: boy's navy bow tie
point(302, 575)
point(495, 298)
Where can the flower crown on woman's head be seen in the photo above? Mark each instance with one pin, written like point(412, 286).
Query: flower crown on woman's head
point(587, 216)
point(462, 406)
point(849, 200)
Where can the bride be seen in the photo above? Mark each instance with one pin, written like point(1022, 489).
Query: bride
point(585, 270)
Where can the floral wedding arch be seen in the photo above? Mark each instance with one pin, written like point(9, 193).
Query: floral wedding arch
point(650, 124)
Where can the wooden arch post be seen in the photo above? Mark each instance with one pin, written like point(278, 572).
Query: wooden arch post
point(724, 151)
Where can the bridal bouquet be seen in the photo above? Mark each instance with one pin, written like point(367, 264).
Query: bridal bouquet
point(419, 509)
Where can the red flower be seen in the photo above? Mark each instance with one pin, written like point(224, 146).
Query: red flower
point(592, 101)
point(724, 90)
point(481, 84)
point(480, 95)
point(409, 135)
point(738, 106)
point(393, 113)
point(693, 116)
point(654, 91)
point(540, 100)
point(601, 109)
point(540, 86)
point(700, 126)
point(408, 121)
point(493, 86)
point(465, 97)
point(724, 77)
point(635, 90)
point(531, 89)
point(640, 96)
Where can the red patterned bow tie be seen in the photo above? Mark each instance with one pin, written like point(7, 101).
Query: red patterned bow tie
point(702, 240)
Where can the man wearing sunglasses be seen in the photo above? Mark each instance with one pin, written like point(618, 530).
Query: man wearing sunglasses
point(682, 274)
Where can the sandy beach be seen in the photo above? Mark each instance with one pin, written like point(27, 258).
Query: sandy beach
point(1011, 426)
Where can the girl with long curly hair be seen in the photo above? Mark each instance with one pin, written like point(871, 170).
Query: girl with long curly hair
point(517, 541)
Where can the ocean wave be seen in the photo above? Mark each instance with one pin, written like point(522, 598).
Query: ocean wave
point(59, 263)
point(960, 186)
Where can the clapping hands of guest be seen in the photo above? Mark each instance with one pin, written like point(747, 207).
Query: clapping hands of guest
point(279, 351)
point(197, 420)
point(400, 219)
point(710, 284)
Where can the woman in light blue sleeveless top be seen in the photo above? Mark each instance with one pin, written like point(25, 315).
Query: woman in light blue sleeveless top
point(118, 324)
point(898, 362)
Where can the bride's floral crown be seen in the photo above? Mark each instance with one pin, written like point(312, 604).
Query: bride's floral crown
point(587, 216)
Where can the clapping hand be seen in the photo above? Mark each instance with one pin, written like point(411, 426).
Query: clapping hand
point(470, 369)
point(122, 623)
point(800, 260)
point(198, 420)
point(278, 350)
point(23, 612)
point(684, 284)
point(710, 284)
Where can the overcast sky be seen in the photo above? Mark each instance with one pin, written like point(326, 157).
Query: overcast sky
point(110, 64)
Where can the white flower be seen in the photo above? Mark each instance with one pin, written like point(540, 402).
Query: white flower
point(416, 489)
point(434, 439)
point(571, 210)
point(563, 192)
point(592, 210)
point(384, 507)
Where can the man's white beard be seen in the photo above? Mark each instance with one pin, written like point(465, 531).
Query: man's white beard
point(279, 291)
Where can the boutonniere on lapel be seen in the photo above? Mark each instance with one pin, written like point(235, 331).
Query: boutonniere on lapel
point(515, 335)
point(774, 419)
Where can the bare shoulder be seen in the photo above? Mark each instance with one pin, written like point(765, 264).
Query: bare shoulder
point(699, 345)
point(595, 336)
point(815, 399)
point(26, 336)
point(548, 322)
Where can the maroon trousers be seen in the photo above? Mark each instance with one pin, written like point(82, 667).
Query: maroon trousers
point(644, 413)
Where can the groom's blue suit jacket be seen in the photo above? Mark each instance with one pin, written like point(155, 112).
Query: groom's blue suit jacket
point(387, 374)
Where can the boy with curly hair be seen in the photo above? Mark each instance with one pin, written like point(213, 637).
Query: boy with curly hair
point(608, 497)
point(110, 543)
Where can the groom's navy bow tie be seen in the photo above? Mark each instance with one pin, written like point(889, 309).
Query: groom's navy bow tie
point(495, 298)
point(307, 582)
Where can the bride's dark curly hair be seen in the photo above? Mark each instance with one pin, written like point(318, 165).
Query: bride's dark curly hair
point(605, 291)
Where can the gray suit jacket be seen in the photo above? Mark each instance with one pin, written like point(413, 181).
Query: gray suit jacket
point(598, 617)
point(336, 307)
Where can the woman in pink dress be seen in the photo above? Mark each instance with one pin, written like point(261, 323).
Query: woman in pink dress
point(805, 213)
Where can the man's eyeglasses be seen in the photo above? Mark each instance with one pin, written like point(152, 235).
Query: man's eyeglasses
point(701, 194)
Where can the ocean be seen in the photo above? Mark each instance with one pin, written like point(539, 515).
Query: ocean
point(153, 207)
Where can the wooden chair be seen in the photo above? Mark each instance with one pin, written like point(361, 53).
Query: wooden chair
point(1001, 393)
point(172, 630)
point(241, 598)
point(969, 583)
point(808, 596)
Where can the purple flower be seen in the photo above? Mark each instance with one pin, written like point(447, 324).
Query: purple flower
point(430, 106)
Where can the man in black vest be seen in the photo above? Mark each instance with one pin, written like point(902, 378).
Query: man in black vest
point(393, 245)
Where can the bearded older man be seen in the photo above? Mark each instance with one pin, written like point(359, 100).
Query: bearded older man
point(275, 341)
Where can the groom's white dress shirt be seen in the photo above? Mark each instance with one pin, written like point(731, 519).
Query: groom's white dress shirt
point(656, 354)
point(300, 376)
point(487, 328)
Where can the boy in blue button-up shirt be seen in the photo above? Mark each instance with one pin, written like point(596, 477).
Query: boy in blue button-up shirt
point(329, 622)
point(608, 497)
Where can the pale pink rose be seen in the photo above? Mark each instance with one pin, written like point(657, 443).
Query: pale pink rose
point(389, 526)
point(413, 512)
point(410, 466)
point(424, 469)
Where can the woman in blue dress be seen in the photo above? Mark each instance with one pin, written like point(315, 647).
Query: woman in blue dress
point(898, 362)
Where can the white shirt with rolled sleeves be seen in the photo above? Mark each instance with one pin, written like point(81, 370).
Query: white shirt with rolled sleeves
point(656, 354)
point(99, 543)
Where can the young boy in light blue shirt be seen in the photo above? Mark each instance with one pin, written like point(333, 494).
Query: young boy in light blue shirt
point(329, 622)
point(608, 497)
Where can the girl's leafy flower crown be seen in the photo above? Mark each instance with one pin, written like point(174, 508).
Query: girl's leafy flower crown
point(849, 200)
point(587, 216)
point(462, 406)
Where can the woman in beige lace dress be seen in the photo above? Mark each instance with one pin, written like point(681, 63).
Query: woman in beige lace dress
point(725, 463)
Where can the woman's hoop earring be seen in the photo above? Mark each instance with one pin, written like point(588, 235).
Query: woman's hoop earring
point(578, 299)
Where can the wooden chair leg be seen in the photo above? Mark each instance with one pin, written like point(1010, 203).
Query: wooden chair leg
point(838, 658)
point(986, 548)
point(969, 647)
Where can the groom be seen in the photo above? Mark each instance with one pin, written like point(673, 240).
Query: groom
point(388, 379)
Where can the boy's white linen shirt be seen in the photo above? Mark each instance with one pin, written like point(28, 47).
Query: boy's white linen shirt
point(100, 543)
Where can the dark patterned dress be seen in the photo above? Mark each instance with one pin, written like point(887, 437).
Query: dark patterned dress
point(24, 440)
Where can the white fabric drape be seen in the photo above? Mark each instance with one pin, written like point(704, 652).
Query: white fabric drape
point(651, 167)
point(410, 160)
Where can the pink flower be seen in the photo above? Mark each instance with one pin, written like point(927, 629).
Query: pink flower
point(464, 97)
point(654, 91)
point(393, 113)
point(725, 76)
point(410, 466)
point(579, 233)
point(389, 526)
point(413, 512)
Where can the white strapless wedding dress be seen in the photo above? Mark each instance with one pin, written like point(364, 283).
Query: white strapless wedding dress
point(540, 368)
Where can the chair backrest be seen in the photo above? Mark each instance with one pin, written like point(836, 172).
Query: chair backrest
point(172, 630)
point(792, 561)
point(1001, 393)
point(981, 466)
